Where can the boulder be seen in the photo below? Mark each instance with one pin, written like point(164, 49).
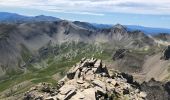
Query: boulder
point(90, 94)
point(83, 59)
point(79, 81)
point(77, 74)
point(89, 77)
point(85, 85)
point(100, 84)
point(128, 77)
point(111, 81)
point(100, 90)
point(70, 75)
point(98, 64)
point(66, 89)
point(70, 94)
point(51, 98)
point(142, 94)
point(78, 96)
point(125, 91)
point(92, 61)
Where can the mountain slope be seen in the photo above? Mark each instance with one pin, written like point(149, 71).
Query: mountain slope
point(19, 42)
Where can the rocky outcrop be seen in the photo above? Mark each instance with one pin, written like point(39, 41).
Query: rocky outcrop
point(156, 90)
point(118, 28)
point(166, 53)
point(40, 92)
point(128, 61)
point(118, 54)
point(89, 80)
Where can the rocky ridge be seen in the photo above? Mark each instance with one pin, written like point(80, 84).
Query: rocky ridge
point(89, 80)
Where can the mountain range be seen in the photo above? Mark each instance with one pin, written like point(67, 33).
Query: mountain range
point(43, 48)
point(16, 18)
point(6, 17)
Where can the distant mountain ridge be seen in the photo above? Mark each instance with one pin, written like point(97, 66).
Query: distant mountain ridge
point(146, 30)
point(6, 17)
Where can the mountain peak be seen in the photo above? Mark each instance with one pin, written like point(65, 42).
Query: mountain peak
point(118, 28)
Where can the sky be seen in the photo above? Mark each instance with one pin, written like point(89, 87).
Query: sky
point(150, 13)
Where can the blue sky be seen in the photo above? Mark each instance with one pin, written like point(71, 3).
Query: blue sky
point(152, 13)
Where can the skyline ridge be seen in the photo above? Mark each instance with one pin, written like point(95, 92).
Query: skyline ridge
point(128, 12)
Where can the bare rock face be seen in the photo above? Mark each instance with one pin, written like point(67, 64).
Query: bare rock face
point(90, 80)
point(166, 53)
point(34, 93)
point(120, 53)
point(156, 90)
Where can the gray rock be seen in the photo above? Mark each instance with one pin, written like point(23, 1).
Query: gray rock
point(166, 54)
point(83, 59)
point(100, 90)
point(77, 74)
point(70, 75)
point(66, 89)
point(51, 98)
point(78, 96)
point(80, 81)
point(98, 63)
point(70, 94)
point(142, 94)
point(89, 77)
point(92, 61)
point(89, 94)
point(99, 84)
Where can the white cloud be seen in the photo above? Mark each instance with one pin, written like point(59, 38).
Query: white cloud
point(94, 7)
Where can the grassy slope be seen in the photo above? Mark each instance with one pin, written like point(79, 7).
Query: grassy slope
point(59, 59)
point(67, 56)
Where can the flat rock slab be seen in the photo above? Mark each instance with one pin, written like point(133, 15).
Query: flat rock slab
point(98, 63)
point(78, 96)
point(89, 94)
point(66, 89)
point(99, 84)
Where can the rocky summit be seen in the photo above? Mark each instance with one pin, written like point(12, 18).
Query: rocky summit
point(89, 80)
